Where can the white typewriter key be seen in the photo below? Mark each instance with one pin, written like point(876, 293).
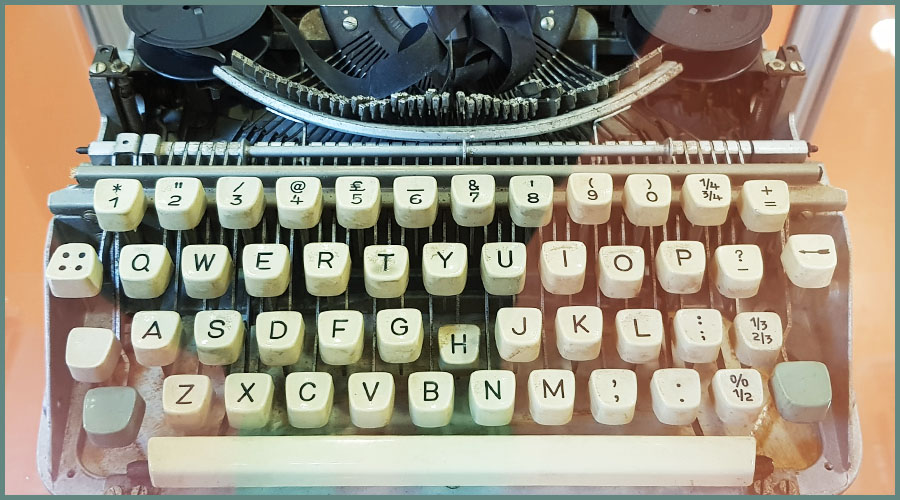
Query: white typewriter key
point(340, 336)
point(613, 396)
point(74, 271)
point(267, 269)
point(492, 397)
point(676, 395)
point(357, 201)
point(430, 398)
point(472, 199)
point(386, 270)
point(680, 266)
point(579, 331)
point(646, 199)
point(415, 201)
point(145, 270)
point(738, 270)
point(551, 396)
point(620, 271)
point(639, 335)
point(758, 338)
point(444, 268)
point(458, 346)
point(119, 204)
point(399, 334)
point(589, 197)
point(764, 205)
point(809, 260)
point(738, 395)
point(240, 202)
point(371, 397)
point(326, 268)
point(299, 201)
point(279, 336)
point(206, 270)
point(503, 267)
point(155, 337)
point(186, 401)
point(706, 199)
point(517, 332)
point(309, 397)
point(248, 399)
point(219, 336)
point(531, 200)
point(698, 335)
point(562, 266)
point(92, 354)
point(180, 202)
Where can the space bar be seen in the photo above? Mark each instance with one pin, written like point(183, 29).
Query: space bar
point(524, 460)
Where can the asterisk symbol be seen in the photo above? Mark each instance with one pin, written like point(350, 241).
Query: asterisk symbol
point(117, 188)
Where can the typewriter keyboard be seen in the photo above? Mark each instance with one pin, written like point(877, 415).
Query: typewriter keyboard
point(598, 329)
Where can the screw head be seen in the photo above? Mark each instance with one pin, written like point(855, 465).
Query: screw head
point(118, 67)
point(797, 66)
point(98, 67)
point(350, 23)
point(547, 23)
point(776, 65)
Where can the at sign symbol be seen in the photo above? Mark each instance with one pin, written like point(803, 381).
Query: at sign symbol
point(298, 186)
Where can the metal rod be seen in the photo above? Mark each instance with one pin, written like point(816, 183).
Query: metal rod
point(460, 150)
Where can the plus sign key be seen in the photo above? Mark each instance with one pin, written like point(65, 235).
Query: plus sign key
point(764, 205)
point(809, 260)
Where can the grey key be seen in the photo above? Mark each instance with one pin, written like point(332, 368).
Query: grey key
point(112, 416)
point(802, 390)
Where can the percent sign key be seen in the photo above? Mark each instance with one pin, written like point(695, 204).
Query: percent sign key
point(738, 395)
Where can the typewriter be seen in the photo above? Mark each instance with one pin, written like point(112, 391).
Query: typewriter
point(448, 249)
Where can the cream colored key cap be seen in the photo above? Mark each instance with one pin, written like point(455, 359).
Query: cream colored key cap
point(758, 338)
point(706, 198)
point(698, 335)
point(764, 205)
point(738, 394)
point(180, 202)
point(444, 268)
point(639, 335)
point(676, 395)
point(74, 271)
point(492, 397)
point(680, 266)
point(551, 396)
point(119, 204)
point(326, 268)
point(145, 270)
point(589, 197)
point(357, 201)
point(219, 336)
point(415, 201)
point(240, 202)
point(646, 199)
point(620, 271)
point(472, 199)
point(279, 336)
point(503, 267)
point(517, 332)
point(531, 200)
point(399, 335)
point(430, 398)
point(562, 266)
point(613, 396)
point(92, 354)
point(155, 337)
point(809, 260)
point(309, 397)
point(248, 399)
point(267, 269)
point(340, 336)
point(186, 401)
point(458, 347)
point(206, 270)
point(371, 397)
point(299, 201)
point(579, 331)
point(386, 270)
point(738, 270)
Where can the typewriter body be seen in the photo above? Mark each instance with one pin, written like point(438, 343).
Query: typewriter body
point(448, 249)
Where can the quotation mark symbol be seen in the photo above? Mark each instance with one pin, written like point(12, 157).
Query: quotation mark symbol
point(178, 184)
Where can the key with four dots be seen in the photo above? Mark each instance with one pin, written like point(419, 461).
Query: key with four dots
point(74, 271)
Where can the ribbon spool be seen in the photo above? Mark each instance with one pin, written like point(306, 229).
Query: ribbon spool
point(712, 42)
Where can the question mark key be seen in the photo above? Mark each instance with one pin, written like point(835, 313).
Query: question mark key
point(738, 270)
